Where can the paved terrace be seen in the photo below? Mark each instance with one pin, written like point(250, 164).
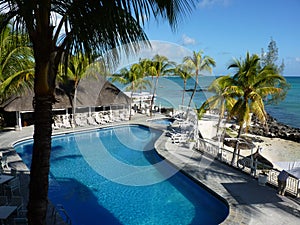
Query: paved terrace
point(249, 203)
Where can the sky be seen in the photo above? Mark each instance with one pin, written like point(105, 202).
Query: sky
point(228, 29)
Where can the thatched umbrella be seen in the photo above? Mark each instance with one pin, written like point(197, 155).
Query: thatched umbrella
point(263, 163)
point(241, 142)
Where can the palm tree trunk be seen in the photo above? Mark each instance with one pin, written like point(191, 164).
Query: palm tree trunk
point(131, 95)
point(153, 96)
point(195, 88)
point(236, 145)
point(38, 191)
point(74, 105)
point(221, 114)
point(184, 88)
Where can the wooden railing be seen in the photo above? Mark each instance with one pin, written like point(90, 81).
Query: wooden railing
point(225, 155)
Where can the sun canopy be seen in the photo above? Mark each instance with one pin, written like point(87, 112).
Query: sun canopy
point(292, 168)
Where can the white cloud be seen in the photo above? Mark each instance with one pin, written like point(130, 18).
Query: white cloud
point(172, 51)
point(188, 40)
point(297, 59)
point(209, 3)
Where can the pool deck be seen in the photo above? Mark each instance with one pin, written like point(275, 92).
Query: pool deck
point(249, 203)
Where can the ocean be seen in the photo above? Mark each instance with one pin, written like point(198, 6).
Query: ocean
point(170, 91)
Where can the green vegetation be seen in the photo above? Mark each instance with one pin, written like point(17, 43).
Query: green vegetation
point(185, 73)
point(245, 93)
point(198, 63)
point(134, 76)
point(77, 67)
point(159, 67)
point(16, 63)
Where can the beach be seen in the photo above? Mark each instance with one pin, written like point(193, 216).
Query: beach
point(280, 150)
point(274, 149)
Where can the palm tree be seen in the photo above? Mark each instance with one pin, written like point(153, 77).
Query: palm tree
point(160, 66)
point(135, 77)
point(78, 67)
point(223, 99)
point(185, 74)
point(16, 64)
point(252, 85)
point(199, 63)
point(80, 26)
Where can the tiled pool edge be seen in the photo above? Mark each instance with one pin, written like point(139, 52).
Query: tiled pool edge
point(238, 214)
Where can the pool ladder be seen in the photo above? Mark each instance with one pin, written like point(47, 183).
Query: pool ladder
point(59, 209)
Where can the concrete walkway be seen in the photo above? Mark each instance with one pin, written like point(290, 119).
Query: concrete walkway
point(249, 203)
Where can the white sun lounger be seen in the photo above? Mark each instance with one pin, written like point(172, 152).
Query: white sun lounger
point(91, 121)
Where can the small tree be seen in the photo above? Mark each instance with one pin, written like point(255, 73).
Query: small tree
point(185, 73)
point(135, 77)
point(160, 66)
point(270, 58)
point(198, 63)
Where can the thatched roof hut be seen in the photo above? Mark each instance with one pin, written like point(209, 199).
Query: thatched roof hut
point(97, 91)
point(23, 103)
point(91, 92)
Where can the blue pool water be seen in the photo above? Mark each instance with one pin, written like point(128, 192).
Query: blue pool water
point(162, 121)
point(114, 176)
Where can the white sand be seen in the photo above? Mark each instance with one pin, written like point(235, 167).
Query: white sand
point(274, 149)
point(280, 150)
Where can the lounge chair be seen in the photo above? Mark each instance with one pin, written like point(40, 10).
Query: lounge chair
point(13, 186)
point(21, 218)
point(16, 201)
point(3, 200)
point(123, 117)
point(78, 122)
point(4, 164)
point(57, 123)
point(65, 122)
point(107, 119)
point(91, 121)
point(179, 138)
point(99, 119)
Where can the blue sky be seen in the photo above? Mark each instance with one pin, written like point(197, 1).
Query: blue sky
point(227, 29)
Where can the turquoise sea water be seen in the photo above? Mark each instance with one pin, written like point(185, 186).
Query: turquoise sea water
point(169, 93)
point(288, 111)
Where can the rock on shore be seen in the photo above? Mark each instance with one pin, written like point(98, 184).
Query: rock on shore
point(276, 130)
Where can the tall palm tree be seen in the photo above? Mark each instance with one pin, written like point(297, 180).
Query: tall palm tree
point(184, 72)
point(87, 26)
point(135, 77)
point(16, 64)
point(160, 66)
point(78, 67)
point(223, 99)
point(252, 85)
point(199, 63)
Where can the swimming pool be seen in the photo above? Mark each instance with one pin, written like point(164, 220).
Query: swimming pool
point(90, 176)
point(162, 121)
